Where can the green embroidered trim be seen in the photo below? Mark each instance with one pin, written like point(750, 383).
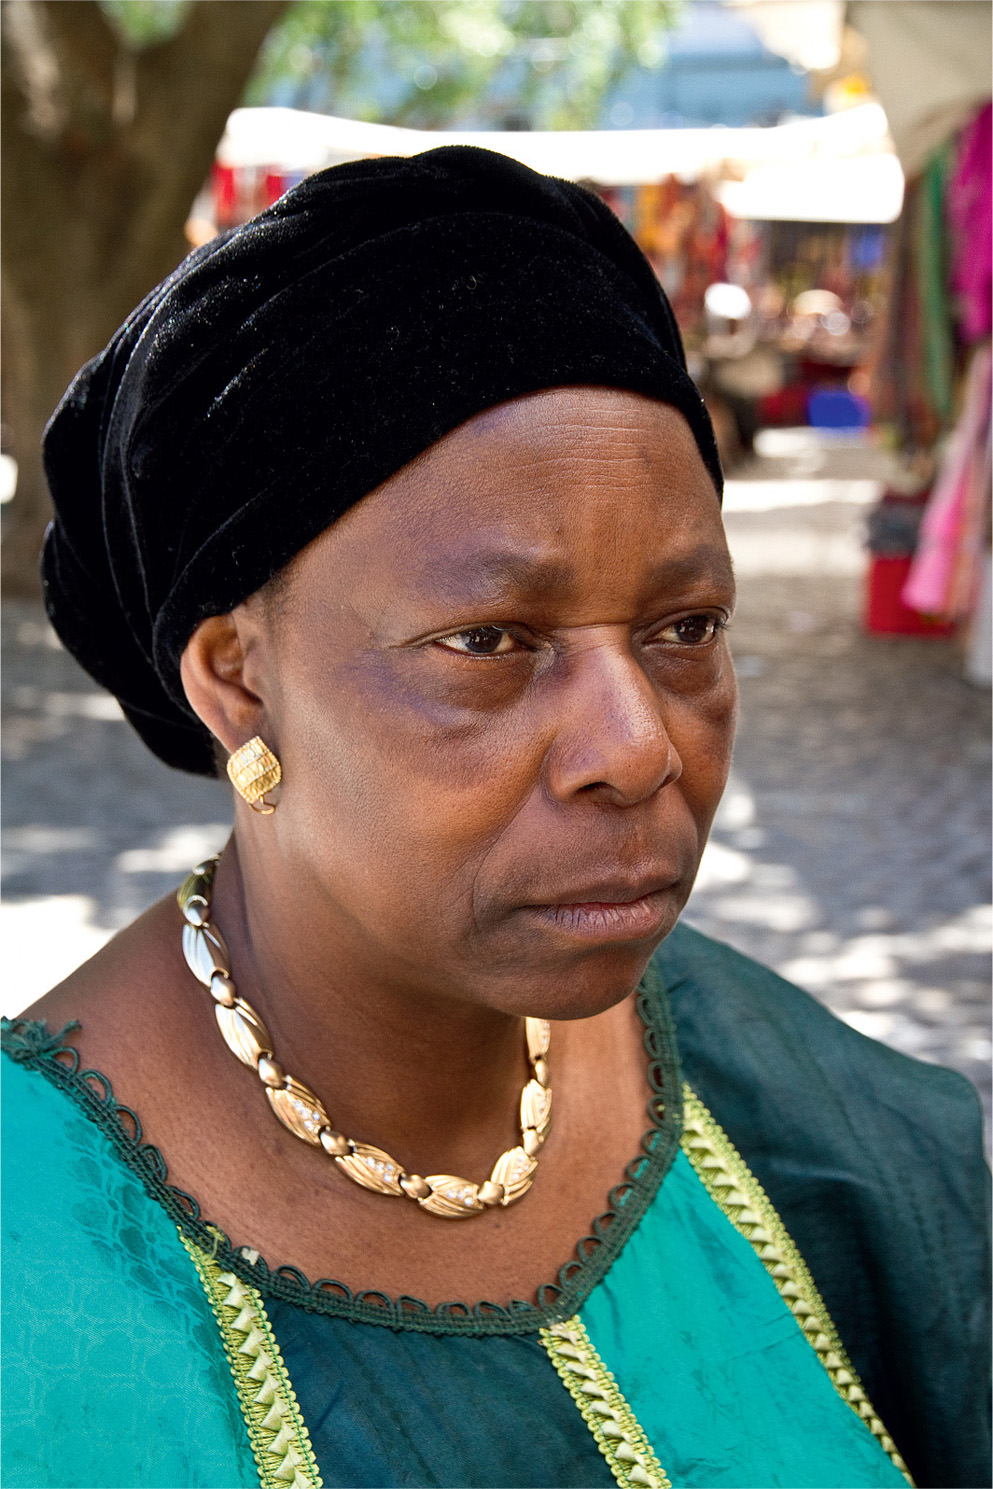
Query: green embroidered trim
point(619, 1436)
point(29, 1043)
point(736, 1191)
point(276, 1429)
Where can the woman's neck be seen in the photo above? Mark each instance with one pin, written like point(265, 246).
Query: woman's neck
point(430, 1078)
point(147, 1025)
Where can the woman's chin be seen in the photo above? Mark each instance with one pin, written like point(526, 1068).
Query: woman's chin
point(578, 986)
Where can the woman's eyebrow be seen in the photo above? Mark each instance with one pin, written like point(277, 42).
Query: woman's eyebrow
point(500, 572)
point(709, 563)
point(494, 574)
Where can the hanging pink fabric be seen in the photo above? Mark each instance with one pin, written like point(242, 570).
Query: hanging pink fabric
point(943, 574)
point(970, 218)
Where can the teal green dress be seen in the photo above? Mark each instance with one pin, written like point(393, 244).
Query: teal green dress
point(687, 1344)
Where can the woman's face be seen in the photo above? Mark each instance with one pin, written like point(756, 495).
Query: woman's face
point(504, 705)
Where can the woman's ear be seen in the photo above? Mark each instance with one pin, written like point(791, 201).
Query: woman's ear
point(215, 678)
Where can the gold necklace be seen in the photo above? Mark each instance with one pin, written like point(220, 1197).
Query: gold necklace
point(299, 1110)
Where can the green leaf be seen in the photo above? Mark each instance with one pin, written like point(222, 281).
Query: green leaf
point(447, 63)
point(142, 23)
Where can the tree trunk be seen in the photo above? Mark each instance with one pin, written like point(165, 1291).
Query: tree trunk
point(104, 150)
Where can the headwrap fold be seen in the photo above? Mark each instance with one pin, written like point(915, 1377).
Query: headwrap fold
point(288, 368)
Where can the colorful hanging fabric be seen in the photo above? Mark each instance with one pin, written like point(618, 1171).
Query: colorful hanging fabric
point(943, 575)
point(970, 216)
point(931, 262)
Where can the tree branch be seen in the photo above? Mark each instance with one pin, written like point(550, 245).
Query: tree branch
point(200, 73)
point(84, 41)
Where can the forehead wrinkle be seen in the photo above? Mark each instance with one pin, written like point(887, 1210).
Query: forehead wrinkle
point(501, 573)
point(495, 574)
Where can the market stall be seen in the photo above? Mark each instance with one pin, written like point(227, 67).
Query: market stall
point(777, 211)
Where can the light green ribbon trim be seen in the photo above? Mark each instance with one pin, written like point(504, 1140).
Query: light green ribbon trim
point(277, 1432)
point(630, 1456)
point(736, 1191)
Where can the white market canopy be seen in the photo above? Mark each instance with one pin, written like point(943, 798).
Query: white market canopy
point(840, 168)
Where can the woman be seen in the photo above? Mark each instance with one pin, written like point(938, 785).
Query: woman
point(399, 500)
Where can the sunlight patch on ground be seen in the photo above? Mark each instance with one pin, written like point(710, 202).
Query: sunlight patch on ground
point(44, 940)
point(771, 496)
point(872, 958)
point(176, 851)
point(68, 705)
point(46, 937)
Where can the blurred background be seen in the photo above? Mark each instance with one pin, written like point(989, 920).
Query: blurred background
point(811, 182)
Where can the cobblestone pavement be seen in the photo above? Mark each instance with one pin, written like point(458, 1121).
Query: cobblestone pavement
point(851, 851)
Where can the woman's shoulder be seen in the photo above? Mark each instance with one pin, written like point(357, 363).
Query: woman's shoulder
point(818, 1109)
point(107, 1330)
point(67, 1194)
point(739, 1020)
point(874, 1161)
point(52, 1146)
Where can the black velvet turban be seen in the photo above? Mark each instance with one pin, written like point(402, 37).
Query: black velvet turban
point(288, 368)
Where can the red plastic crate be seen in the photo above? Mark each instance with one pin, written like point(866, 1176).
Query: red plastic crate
point(885, 613)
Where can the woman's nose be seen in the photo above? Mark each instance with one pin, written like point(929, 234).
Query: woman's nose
point(610, 738)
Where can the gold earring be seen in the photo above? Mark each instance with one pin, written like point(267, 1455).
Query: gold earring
point(253, 770)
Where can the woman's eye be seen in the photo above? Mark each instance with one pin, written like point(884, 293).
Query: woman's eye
point(693, 630)
point(481, 641)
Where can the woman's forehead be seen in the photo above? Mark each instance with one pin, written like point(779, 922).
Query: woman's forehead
point(549, 463)
point(523, 498)
point(568, 414)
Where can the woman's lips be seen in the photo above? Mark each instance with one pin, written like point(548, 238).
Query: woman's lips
point(608, 920)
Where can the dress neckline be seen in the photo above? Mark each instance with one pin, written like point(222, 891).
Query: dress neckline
point(30, 1043)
